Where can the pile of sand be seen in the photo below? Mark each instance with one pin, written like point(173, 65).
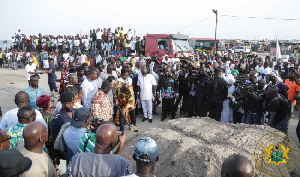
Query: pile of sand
point(198, 146)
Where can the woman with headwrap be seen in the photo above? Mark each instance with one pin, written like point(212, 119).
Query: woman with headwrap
point(47, 104)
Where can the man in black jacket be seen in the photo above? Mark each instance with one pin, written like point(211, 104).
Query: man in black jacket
point(216, 92)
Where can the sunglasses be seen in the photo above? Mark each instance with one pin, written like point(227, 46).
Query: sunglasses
point(9, 138)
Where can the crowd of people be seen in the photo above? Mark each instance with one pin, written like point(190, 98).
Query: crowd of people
point(99, 91)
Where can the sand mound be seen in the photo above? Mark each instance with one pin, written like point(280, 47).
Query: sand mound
point(198, 146)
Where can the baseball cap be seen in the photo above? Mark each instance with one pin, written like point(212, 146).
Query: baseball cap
point(80, 116)
point(30, 60)
point(146, 146)
point(66, 96)
point(13, 163)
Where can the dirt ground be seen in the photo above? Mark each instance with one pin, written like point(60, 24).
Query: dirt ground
point(175, 143)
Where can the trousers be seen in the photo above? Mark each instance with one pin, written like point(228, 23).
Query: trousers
point(122, 119)
point(168, 107)
point(282, 125)
point(215, 110)
point(52, 84)
point(254, 118)
point(200, 107)
point(147, 108)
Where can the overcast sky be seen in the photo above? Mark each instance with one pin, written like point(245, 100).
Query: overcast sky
point(153, 16)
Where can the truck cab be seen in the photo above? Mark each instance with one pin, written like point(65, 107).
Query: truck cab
point(167, 44)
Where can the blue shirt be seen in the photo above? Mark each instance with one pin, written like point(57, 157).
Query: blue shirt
point(72, 136)
point(59, 119)
point(33, 95)
point(52, 74)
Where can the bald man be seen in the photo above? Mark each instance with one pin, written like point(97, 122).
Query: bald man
point(4, 140)
point(73, 80)
point(100, 162)
point(35, 136)
point(237, 166)
point(26, 115)
point(278, 119)
point(10, 118)
point(146, 91)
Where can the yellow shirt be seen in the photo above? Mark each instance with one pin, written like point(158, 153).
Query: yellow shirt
point(36, 41)
point(35, 61)
point(1, 55)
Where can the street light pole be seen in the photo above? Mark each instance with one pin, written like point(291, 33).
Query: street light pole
point(216, 12)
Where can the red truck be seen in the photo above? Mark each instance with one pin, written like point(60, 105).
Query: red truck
point(162, 44)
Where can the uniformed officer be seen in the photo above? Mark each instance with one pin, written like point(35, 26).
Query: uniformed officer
point(64, 115)
point(169, 91)
point(51, 78)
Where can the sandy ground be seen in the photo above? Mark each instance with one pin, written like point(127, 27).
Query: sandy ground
point(12, 81)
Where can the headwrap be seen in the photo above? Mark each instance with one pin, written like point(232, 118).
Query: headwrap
point(42, 101)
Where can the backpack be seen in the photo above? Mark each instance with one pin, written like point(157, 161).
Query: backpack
point(286, 105)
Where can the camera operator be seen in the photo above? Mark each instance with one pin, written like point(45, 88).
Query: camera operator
point(257, 98)
point(182, 87)
point(237, 104)
point(216, 91)
point(191, 100)
point(200, 83)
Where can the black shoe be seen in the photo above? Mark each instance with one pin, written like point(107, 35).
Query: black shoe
point(158, 103)
point(162, 119)
point(144, 119)
point(173, 117)
point(150, 120)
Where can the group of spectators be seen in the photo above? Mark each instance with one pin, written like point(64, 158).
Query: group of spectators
point(94, 98)
point(104, 41)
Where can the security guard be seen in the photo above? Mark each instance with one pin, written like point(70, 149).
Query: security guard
point(168, 86)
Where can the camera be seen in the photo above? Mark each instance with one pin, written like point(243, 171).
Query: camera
point(95, 123)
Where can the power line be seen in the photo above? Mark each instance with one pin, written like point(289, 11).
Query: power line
point(264, 18)
point(190, 25)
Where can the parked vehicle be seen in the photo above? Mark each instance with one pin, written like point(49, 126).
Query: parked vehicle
point(203, 44)
point(242, 49)
point(162, 44)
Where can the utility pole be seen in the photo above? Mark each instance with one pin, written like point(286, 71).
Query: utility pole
point(216, 12)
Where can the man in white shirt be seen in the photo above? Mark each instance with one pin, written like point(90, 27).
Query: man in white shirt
point(82, 58)
point(60, 43)
point(89, 88)
point(76, 44)
point(260, 69)
point(129, 35)
point(108, 72)
point(98, 38)
point(146, 90)
point(10, 118)
point(66, 55)
point(98, 57)
point(30, 69)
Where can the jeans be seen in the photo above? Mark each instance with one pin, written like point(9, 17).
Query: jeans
point(14, 65)
point(255, 118)
point(122, 119)
point(282, 125)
